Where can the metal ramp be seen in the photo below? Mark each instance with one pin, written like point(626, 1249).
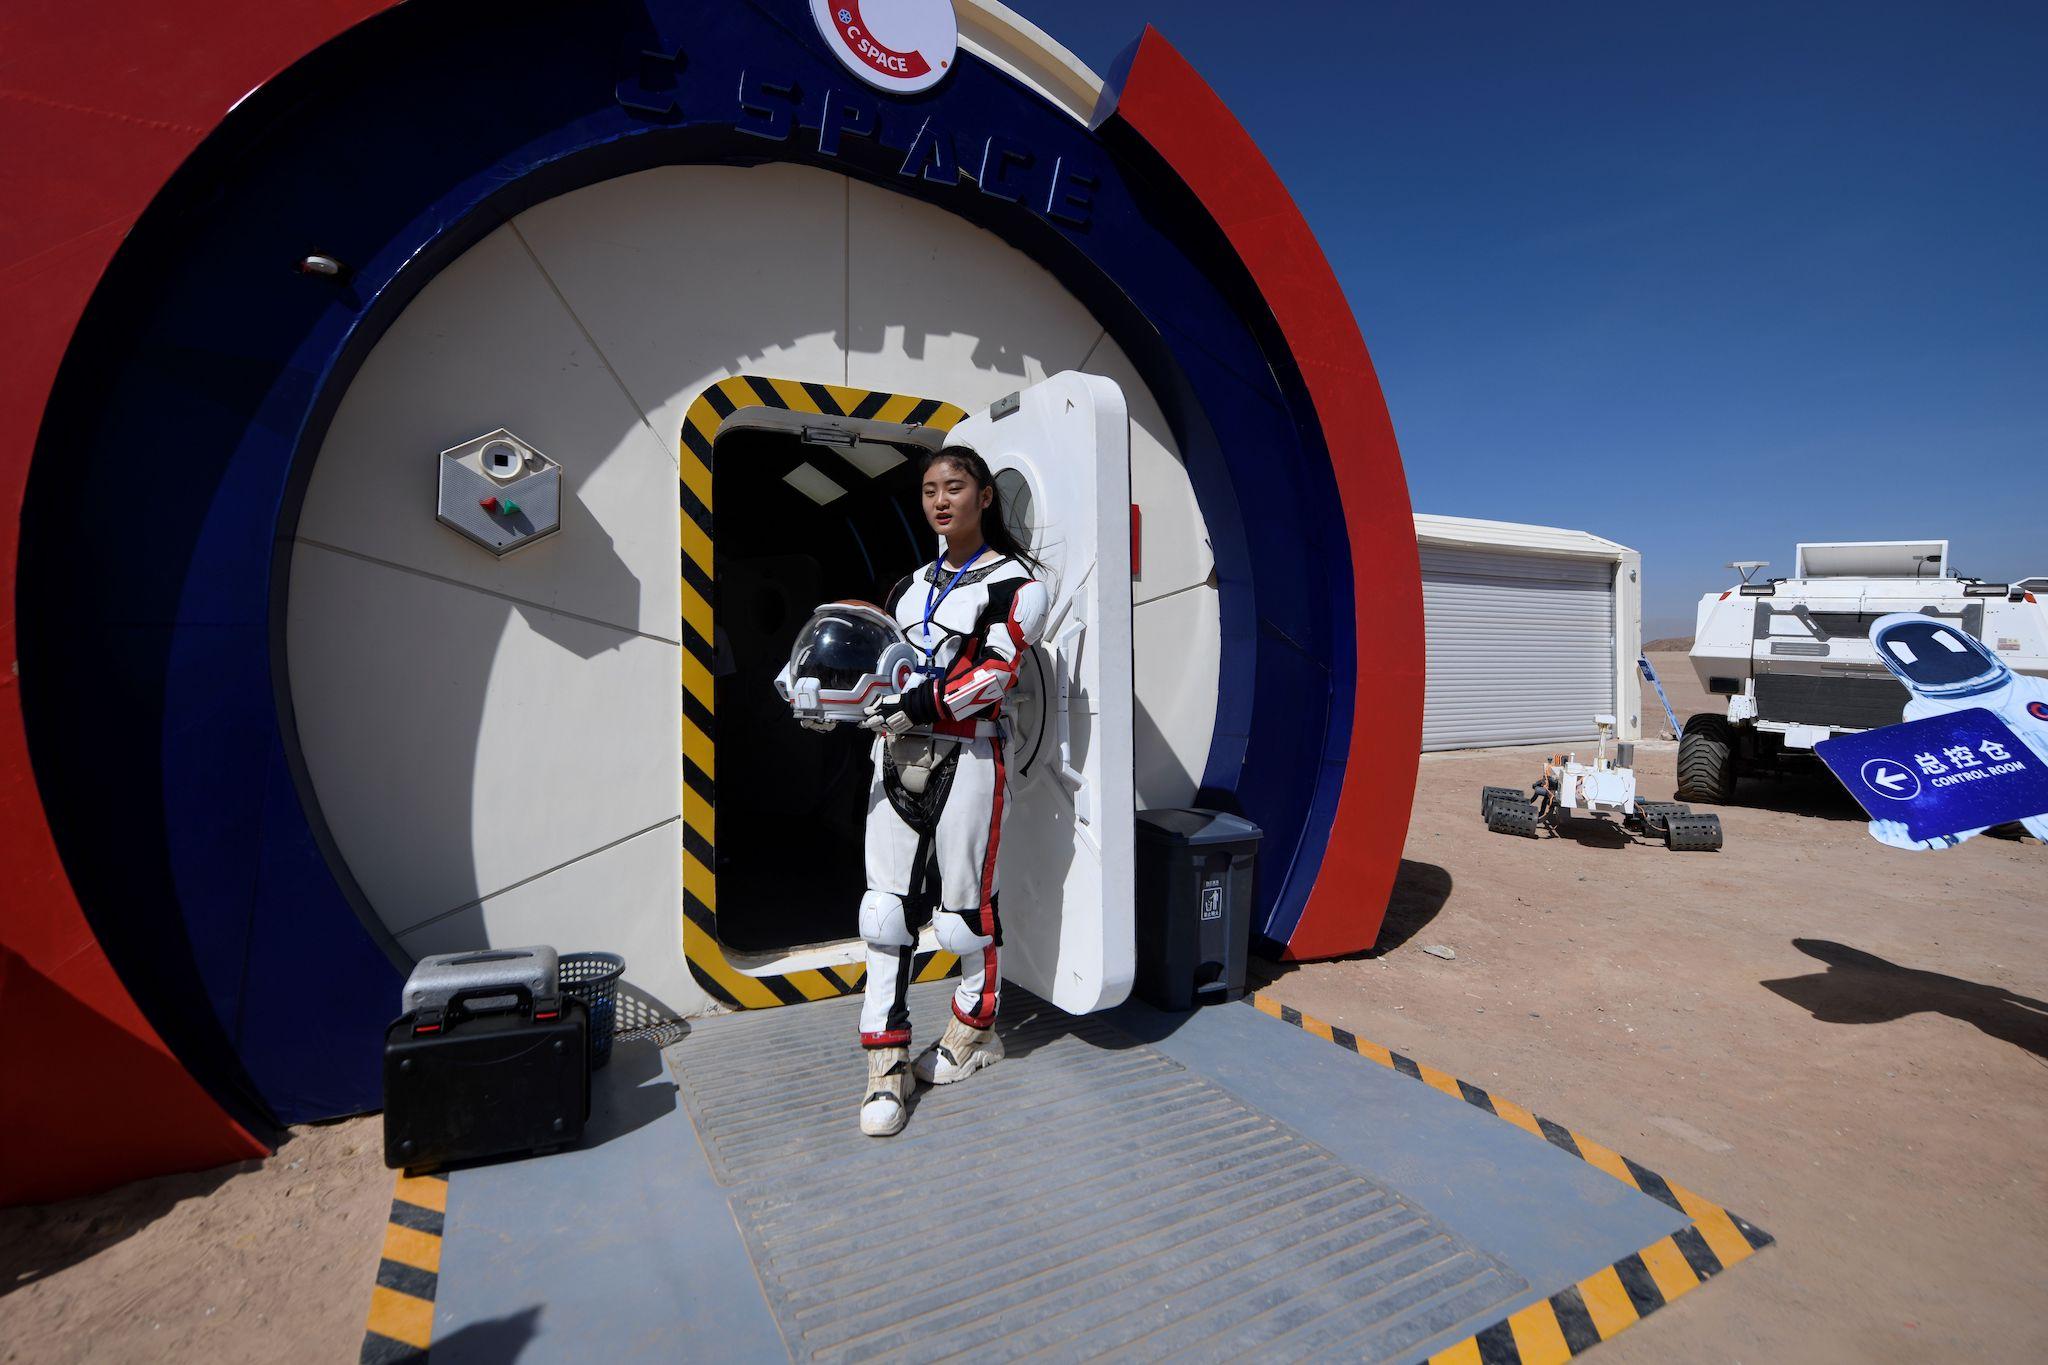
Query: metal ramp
point(1132, 1185)
point(1088, 1197)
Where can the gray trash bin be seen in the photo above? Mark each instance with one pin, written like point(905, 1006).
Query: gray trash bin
point(1194, 910)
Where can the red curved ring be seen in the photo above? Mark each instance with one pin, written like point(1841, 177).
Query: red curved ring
point(1174, 110)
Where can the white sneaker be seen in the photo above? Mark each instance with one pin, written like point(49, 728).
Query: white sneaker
point(963, 1051)
point(886, 1108)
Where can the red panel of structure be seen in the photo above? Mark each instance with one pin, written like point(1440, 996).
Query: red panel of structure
point(99, 103)
point(1174, 110)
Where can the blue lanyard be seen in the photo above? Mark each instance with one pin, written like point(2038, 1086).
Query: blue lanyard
point(932, 604)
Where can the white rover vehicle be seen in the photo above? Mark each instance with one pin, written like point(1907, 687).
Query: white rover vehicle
point(1604, 788)
point(1793, 655)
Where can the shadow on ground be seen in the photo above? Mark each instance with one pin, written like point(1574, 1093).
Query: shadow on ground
point(1816, 794)
point(1594, 833)
point(1863, 988)
point(1028, 1023)
point(38, 1240)
point(1420, 891)
point(632, 1091)
point(494, 1340)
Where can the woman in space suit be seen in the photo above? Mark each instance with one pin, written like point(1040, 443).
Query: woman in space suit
point(936, 805)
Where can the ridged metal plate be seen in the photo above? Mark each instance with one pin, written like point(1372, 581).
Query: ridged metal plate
point(1087, 1197)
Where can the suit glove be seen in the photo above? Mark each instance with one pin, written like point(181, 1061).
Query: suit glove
point(889, 715)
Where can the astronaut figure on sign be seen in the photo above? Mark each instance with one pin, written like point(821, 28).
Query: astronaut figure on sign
point(1948, 669)
point(946, 647)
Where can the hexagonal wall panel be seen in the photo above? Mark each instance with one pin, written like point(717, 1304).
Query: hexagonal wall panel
point(500, 492)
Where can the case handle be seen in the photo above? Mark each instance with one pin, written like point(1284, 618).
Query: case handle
point(499, 999)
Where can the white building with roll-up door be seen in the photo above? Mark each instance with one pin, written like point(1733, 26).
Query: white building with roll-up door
point(1532, 632)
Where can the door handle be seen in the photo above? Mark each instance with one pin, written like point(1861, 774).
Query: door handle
point(1066, 650)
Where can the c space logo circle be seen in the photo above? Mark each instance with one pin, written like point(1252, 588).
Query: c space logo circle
point(902, 46)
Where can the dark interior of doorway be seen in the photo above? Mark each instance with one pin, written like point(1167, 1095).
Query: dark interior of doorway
point(792, 804)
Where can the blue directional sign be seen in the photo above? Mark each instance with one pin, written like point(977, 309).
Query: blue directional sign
point(1943, 775)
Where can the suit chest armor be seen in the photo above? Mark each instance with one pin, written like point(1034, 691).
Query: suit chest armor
point(961, 617)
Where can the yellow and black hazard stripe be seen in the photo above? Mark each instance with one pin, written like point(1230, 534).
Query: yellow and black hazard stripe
point(713, 971)
point(1585, 1314)
point(401, 1326)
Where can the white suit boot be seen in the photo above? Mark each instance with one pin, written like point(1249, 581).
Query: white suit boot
point(886, 1107)
point(963, 1051)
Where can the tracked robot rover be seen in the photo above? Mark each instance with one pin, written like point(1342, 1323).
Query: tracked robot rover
point(1601, 790)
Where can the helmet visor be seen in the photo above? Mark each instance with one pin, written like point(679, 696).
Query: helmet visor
point(840, 648)
point(1934, 655)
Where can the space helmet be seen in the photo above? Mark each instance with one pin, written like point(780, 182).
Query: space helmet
point(1936, 658)
point(846, 655)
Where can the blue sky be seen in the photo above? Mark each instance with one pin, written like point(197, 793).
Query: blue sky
point(1707, 280)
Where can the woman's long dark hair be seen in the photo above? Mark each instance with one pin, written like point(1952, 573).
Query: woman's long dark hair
point(995, 531)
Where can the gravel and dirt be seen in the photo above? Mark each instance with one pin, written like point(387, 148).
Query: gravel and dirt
point(1846, 1044)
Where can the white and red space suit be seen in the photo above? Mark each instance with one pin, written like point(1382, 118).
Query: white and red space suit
point(936, 803)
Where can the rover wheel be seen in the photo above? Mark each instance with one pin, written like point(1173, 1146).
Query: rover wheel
point(1517, 816)
point(1654, 814)
point(1692, 833)
point(1706, 761)
point(1490, 794)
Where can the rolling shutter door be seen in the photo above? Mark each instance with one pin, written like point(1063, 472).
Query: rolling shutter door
point(1521, 647)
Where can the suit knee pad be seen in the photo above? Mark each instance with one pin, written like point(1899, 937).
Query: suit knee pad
point(883, 921)
point(956, 933)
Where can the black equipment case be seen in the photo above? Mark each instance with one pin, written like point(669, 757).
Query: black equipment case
point(461, 1083)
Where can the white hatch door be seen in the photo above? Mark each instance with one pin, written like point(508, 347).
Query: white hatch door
point(1061, 453)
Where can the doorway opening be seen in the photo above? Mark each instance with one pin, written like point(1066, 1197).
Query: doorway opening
point(808, 509)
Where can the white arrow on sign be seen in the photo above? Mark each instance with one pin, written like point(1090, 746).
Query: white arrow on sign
point(1891, 779)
